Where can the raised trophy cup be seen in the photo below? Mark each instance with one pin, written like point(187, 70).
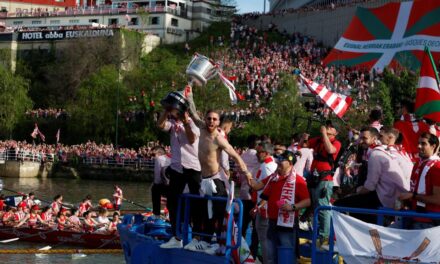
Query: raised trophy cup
point(200, 70)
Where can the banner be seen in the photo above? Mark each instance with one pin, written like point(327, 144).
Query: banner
point(361, 243)
point(391, 35)
point(64, 34)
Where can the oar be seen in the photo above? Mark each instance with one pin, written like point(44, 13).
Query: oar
point(108, 242)
point(39, 198)
point(36, 234)
point(140, 205)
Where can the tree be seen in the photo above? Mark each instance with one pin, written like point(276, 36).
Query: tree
point(14, 99)
point(94, 110)
point(278, 124)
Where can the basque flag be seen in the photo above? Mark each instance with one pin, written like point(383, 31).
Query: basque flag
point(427, 92)
point(338, 103)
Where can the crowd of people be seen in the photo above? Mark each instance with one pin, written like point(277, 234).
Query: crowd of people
point(280, 185)
point(56, 113)
point(89, 152)
point(61, 216)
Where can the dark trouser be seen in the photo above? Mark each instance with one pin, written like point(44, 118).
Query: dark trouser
point(280, 237)
point(178, 182)
point(366, 201)
point(158, 190)
point(254, 240)
point(215, 224)
point(247, 207)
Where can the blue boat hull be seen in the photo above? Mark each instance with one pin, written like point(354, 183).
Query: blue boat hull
point(140, 248)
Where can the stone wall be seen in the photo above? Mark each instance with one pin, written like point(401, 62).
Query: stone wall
point(324, 25)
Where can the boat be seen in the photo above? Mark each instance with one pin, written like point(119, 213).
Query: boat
point(51, 237)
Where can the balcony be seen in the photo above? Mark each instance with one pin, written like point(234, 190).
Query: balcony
point(97, 11)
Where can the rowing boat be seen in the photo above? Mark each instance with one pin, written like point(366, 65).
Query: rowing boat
point(86, 240)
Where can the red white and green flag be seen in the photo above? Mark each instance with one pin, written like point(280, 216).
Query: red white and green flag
point(394, 35)
point(428, 93)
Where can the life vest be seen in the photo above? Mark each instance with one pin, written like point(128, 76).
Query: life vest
point(89, 228)
point(61, 222)
point(19, 216)
point(32, 221)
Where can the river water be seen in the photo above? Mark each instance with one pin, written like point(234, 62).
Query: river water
point(73, 191)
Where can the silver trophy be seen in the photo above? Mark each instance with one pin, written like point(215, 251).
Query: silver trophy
point(201, 69)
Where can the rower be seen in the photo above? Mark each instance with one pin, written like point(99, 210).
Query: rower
point(32, 218)
point(89, 223)
point(8, 217)
point(62, 219)
point(30, 200)
point(75, 223)
point(46, 215)
point(117, 198)
point(56, 204)
point(112, 227)
point(85, 205)
point(2, 202)
point(20, 213)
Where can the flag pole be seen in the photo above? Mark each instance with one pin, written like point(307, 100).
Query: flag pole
point(427, 50)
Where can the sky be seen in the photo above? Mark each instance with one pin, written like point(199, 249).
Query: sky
point(246, 6)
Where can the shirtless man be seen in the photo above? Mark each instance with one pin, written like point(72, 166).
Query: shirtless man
point(211, 144)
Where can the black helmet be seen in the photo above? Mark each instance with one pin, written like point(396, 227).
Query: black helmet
point(175, 100)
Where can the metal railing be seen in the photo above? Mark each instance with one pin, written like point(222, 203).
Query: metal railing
point(323, 256)
point(138, 163)
point(22, 155)
point(186, 198)
point(105, 10)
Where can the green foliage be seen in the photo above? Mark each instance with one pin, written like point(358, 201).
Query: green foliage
point(93, 113)
point(14, 100)
point(278, 124)
point(401, 87)
point(382, 95)
point(5, 58)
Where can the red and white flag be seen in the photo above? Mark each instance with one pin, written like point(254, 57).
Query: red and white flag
point(34, 133)
point(43, 138)
point(57, 136)
point(233, 94)
point(37, 132)
point(338, 103)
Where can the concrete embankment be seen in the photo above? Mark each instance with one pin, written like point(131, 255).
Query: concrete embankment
point(101, 173)
point(30, 169)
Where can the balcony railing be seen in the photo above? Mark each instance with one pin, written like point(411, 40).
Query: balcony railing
point(105, 10)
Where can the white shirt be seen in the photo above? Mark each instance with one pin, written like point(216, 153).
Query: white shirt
point(183, 154)
point(160, 164)
point(304, 162)
point(267, 168)
point(249, 158)
point(102, 220)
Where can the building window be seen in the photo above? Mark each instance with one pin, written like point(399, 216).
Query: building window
point(208, 10)
point(54, 22)
point(154, 21)
point(112, 21)
point(93, 20)
point(4, 9)
point(134, 21)
point(36, 22)
point(74, 21)
point(18, 23)
point(174, 22)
